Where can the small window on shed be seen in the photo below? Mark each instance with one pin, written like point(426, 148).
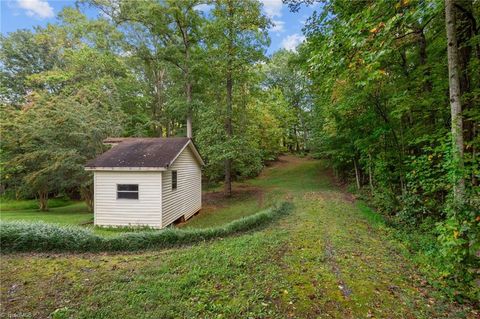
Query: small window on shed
point(127, 191)
point(174, 180)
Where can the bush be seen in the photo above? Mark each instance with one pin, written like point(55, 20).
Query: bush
point(43, 237)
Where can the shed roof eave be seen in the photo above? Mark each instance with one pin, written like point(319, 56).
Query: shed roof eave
point(195, 153)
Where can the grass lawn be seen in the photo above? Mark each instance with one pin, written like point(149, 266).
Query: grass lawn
point(31, 204)
point(216, 211)
point(324, 260)
point(72, 214)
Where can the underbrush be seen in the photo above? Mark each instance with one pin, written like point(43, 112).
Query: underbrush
point(421, 245)
point(42, 237)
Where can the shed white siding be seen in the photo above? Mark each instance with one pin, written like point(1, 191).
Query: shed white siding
point(146, 210)
point(186, 200)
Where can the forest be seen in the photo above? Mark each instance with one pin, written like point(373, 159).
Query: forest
point(386, 92)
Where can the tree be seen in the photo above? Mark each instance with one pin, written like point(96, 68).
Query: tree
point(284, 72)
point(237, 37)
point(174, 27)
point(455, 103)
point(382, 116)
point(70, 109)
point(22, 54)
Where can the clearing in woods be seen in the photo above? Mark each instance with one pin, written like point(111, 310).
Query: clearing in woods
point(324, 260)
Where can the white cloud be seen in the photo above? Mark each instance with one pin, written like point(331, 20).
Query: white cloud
point(272, 8)
point(37, 8)
point(292, 41)
point(278, 26)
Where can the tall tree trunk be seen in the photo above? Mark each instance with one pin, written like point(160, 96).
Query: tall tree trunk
point(357, 173)
point(455, 104)
point(295, 136)
point(466, 27)
point(228, 115)
point(43, 200)
point(187, 77)
point(370, 175)
point(189, 111)
point(159, 101)
point(422, 47)
point(188, 93)
point(229, 132)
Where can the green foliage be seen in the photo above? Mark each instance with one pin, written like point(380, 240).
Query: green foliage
point(367, 90)
point(284, 73)
point(22, 54)
point(141, 72)
point(459, 236)
point(381, 115)
point(42, 237)
point(72, 104)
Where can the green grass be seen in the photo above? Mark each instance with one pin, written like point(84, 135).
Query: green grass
point(45, 237)
point(373, 217)
point(31, 204)
point(294, 178)
point(73, 214)
point(235, 210)
point(326, 259)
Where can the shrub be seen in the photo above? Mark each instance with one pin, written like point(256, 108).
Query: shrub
point(43, 237)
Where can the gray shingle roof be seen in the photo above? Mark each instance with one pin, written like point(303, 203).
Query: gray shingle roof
point(140, 152)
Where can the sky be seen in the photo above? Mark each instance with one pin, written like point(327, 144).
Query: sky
point(25, 14)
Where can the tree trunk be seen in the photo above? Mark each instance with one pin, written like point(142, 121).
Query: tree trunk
point(370, 177)
point(188, 82)
point(295, 141)
point(455, 104)
point(87, 195)
point(228, 115)
point(188, 89)
point(167, 129)
point(159, 102)
point(422, 46)
point(43, 200)
point(466, 29)
point(357, 173)
point(229, 132)
point(474, 159)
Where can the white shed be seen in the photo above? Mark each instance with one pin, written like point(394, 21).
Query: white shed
point(146, 182)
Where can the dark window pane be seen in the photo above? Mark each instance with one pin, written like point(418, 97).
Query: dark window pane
point(128, 187)
point(174, 179)
point(127, 195)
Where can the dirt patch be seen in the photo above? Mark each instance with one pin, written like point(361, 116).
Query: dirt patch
point(286, 161)
point(330, 257)
point(240, 192)
point(340, 185)
point(337, 182)
point(329, 195)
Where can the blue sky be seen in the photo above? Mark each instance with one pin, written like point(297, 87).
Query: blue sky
point(25, 14)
